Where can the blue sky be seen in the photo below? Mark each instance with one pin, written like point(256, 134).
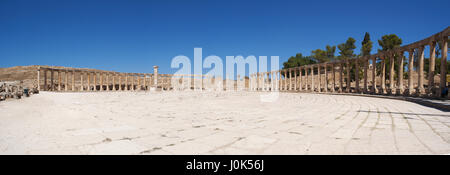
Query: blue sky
point(134, 35)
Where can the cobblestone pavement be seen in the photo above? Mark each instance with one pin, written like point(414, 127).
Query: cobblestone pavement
point(219, 123)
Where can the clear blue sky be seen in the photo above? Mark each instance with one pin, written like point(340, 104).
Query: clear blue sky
point(132, 36)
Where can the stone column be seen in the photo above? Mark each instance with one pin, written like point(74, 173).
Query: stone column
point(333, 70)
point(356, 76)
point(366, 68)
point(279, 80)
point(326, 77)
point(146, 87)
point(290, 79)
point(66, 85)
point(391, 73)
point(295, 79)
point(81, 82)
point(400, 73)
point(95, 81)
point(300, 88)
point(59, 80)
point(133, 79)
point(155, 73)
point(126, 81)
point(306, 78)
point(420, 88)
point(38, 78)
point(52, 85)
point(107, 81)
point(374, 75)
point(272, 81)
point(119, 75)
point(341, 76)
point(348, 86)
point(73, 80)
point(312, 78)
point(410, 72)
point(431, 69)
point(443, 81)
point(285, 80)
point(101, 81)
point(89, 81)
point(383, 75)
point(319, 78)
point(45, 80)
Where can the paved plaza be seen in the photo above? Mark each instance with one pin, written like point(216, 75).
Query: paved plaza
point(219, 123)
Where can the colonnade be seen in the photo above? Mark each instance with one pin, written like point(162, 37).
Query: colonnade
point(322, 77)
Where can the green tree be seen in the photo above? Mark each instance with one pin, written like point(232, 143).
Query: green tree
point(320, 55)
point(298, 60)
point(389, 42)
point(366, 45)
point(346, 52)
point(330, 52)
point(346, 49)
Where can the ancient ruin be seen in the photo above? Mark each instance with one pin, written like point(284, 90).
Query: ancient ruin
point(327, 77)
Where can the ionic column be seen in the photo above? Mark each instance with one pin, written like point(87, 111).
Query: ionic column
point(431, 70)
point(420, 88)
point(81, 82)
point(39, 78)
point(133, 80)
point(410, 72)
point(272, 78)
point(155, 73)
point(256, 77)
point(348, 86)
point(356, 75)
point(126, 81)
point(341, 76)
point(145, 82)
point(95, 81)
point(66, 85)
point(73, 80)
point(119, 75)
point(400, 73)
point(113, 81)
point(383, 75)
point(255, 81)
point(306, 78)
point(319, 78)
point(279, 80)
point(107, 82)
point(300, 88)
point(139, 86)
point(312, 78)
point(290, 79)
point(285, 80)
point(391, 73)
point(45, 79)
point(443, 81)
point(366, 68)
point(51, 80)
point(374, 75)
point(333, 69)
point(295, 78)
point(59, 80)
point(326, 77)
point(89, 81)
point(101, 81)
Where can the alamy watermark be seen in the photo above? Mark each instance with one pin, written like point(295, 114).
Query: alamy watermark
point(212, 80)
